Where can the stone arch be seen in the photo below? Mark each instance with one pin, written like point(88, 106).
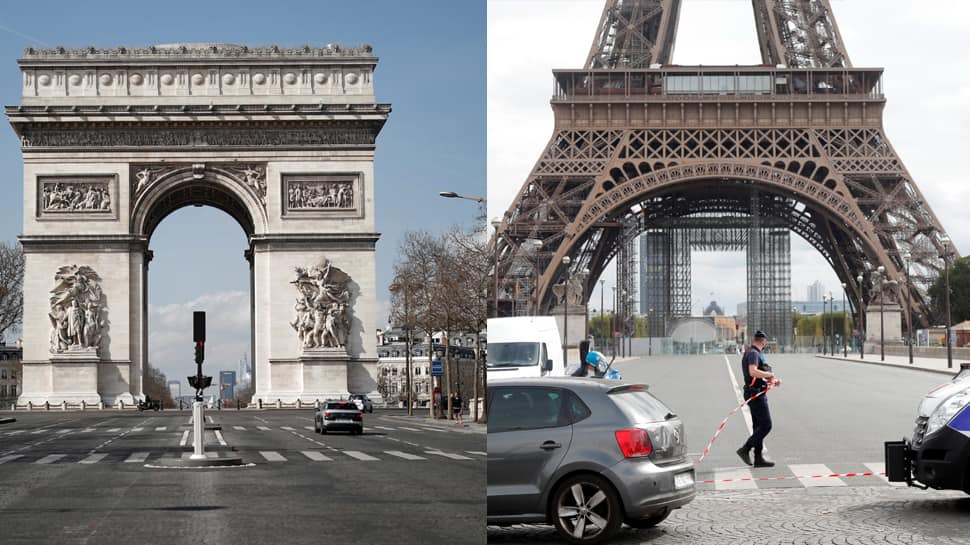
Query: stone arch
point(184, 187)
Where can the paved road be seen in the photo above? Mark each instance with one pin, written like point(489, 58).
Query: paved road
point(829, 417)
point(87, 478)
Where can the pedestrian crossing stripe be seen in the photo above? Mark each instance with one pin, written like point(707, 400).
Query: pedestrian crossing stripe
point(137, 457)
point(263, 428)
point(6, 459)
point(272, 456)
point(447, 455)
point(94, 458)
point(477, 452)
point(160, 428)
point(50, 458)
point(360, 455)
point(316, 456)
point(404, 455)
point(240, 428)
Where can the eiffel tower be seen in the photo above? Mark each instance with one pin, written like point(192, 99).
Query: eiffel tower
point(708, 157)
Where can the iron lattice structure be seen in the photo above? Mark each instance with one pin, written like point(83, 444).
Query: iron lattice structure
point(797, 144)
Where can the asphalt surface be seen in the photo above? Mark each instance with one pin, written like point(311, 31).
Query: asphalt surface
point(91, 478)
point(830, 417)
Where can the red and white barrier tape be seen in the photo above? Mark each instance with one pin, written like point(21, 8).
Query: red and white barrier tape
point(726, 418)
point(793, 478)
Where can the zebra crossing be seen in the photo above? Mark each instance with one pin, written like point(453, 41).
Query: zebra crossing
point(179, 428)
point(261, 456)
point(795, 476)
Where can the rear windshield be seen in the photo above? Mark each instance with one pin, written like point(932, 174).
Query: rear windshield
point(342, 405)
point(512, 354)
point(640, 406)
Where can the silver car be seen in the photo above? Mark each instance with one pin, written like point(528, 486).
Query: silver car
point(585, 455)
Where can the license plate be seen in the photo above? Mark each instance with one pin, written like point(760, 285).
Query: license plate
point(683, 480)
point(345, 421)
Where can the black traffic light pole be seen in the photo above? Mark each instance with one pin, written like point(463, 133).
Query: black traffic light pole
point(199, 381)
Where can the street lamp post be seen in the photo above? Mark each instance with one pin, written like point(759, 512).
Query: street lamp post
point(862, 316)
point(602, 310)
point(650, 332)
point(496, 224)
point(909, 312)
point(585, 274)
point(825, 345)
point(397, 287)
point(612, 317)
point(565, 312)
point(832, 321)
point(880, 275)
point(946, 280)
point(845, 345)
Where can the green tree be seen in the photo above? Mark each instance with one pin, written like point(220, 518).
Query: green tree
point(959, 293)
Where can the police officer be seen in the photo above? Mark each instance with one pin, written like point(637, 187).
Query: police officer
point(757, 377)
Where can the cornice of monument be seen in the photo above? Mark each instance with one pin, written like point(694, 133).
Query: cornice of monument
point(181, 52)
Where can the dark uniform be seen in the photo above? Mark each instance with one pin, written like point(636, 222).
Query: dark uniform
point(760, 415)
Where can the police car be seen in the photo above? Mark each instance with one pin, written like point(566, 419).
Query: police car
point(938, 455)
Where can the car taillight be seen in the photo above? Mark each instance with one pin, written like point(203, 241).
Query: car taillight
point(358, 416)
point(327, 415)
point(634, 443)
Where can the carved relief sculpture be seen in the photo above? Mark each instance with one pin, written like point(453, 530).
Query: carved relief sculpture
point(254, 177)
point(322, 309)
point(572, 297)
point(75, 196)
point(77, 310)
point(320, 195)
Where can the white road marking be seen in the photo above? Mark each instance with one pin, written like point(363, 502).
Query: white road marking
point(360, 455)
point(136, 458)
point(263, 428)
point(37, 432)
point(272, 456)
point(15, 432)
point(880, 467)
point(6, 459)
point(160, 428)
point(222, 440)
point(94, 458)
point(404, 455)
point(448, 455)
point(137, 429)
point(287, 428)
point(410, 429)
point(308, 428)
point(50, 459)
point(742, 479)
point(477, 452)
point(211, 421)
point(114, 430)
point(185, 438)
point(383, 428)
point(808, 470)
point(240, 428)
point(316, 456)
point(87, 430)
point(434, 429)
point(740, 397)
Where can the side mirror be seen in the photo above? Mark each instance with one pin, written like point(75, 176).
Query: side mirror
point(547, 366)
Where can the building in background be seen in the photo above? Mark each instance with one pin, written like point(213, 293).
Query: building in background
point(11, 363)
point(175, 389)
point(815, 292)
point(227, 384)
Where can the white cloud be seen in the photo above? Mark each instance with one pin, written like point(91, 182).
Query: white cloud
point(926, 83)
point(227, 335)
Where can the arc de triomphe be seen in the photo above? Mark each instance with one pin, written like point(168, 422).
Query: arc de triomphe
point(115, 140)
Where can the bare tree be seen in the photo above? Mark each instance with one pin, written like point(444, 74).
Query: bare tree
point(156, 386)
point(11, 286)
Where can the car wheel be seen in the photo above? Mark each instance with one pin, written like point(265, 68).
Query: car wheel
point(323, 429)
point(651, 521)
point(586, 509)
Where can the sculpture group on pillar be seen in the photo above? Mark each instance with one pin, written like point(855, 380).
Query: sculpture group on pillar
point(322, 310)
point(77, 310)
point(571, 297)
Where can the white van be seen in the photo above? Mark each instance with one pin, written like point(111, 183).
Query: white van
point(526, 346)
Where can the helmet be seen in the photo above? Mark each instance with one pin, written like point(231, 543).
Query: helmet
point(596, 359)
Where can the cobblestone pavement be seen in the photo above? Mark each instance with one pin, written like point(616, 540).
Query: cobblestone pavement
point(838, 515)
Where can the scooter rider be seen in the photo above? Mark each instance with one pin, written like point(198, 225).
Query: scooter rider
point(757, 377)
point(594, 361)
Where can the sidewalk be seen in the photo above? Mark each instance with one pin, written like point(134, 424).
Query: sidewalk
point(933, 365)
point(423, 419)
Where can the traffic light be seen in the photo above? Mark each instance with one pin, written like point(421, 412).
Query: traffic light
point(199, 352)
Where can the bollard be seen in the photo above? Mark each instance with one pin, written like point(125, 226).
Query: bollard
point(279, 403)
point(198, 427)
point(237, 403)
point(30, 406)
point(101, 405)
point(259, 403)
point(299, 404)
point(47, 405)
point(316, 404)
point(83, 405)
point(64, 405)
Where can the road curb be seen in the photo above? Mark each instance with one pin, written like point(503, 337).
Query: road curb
point(949, 372)
point(467, 428)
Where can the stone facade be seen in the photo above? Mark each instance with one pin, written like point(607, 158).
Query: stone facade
point(115, 140)
point(10, 373)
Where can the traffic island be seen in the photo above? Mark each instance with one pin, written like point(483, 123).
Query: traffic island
point(187, 460)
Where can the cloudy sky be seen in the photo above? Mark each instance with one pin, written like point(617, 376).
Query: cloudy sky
point(922, 46)
point(431, 69)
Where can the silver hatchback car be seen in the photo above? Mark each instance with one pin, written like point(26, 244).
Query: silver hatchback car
point(585, 455)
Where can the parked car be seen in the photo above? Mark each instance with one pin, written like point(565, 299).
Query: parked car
point(938, 454)
point(339, 416)
point(585, 455)
point(363, 402)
